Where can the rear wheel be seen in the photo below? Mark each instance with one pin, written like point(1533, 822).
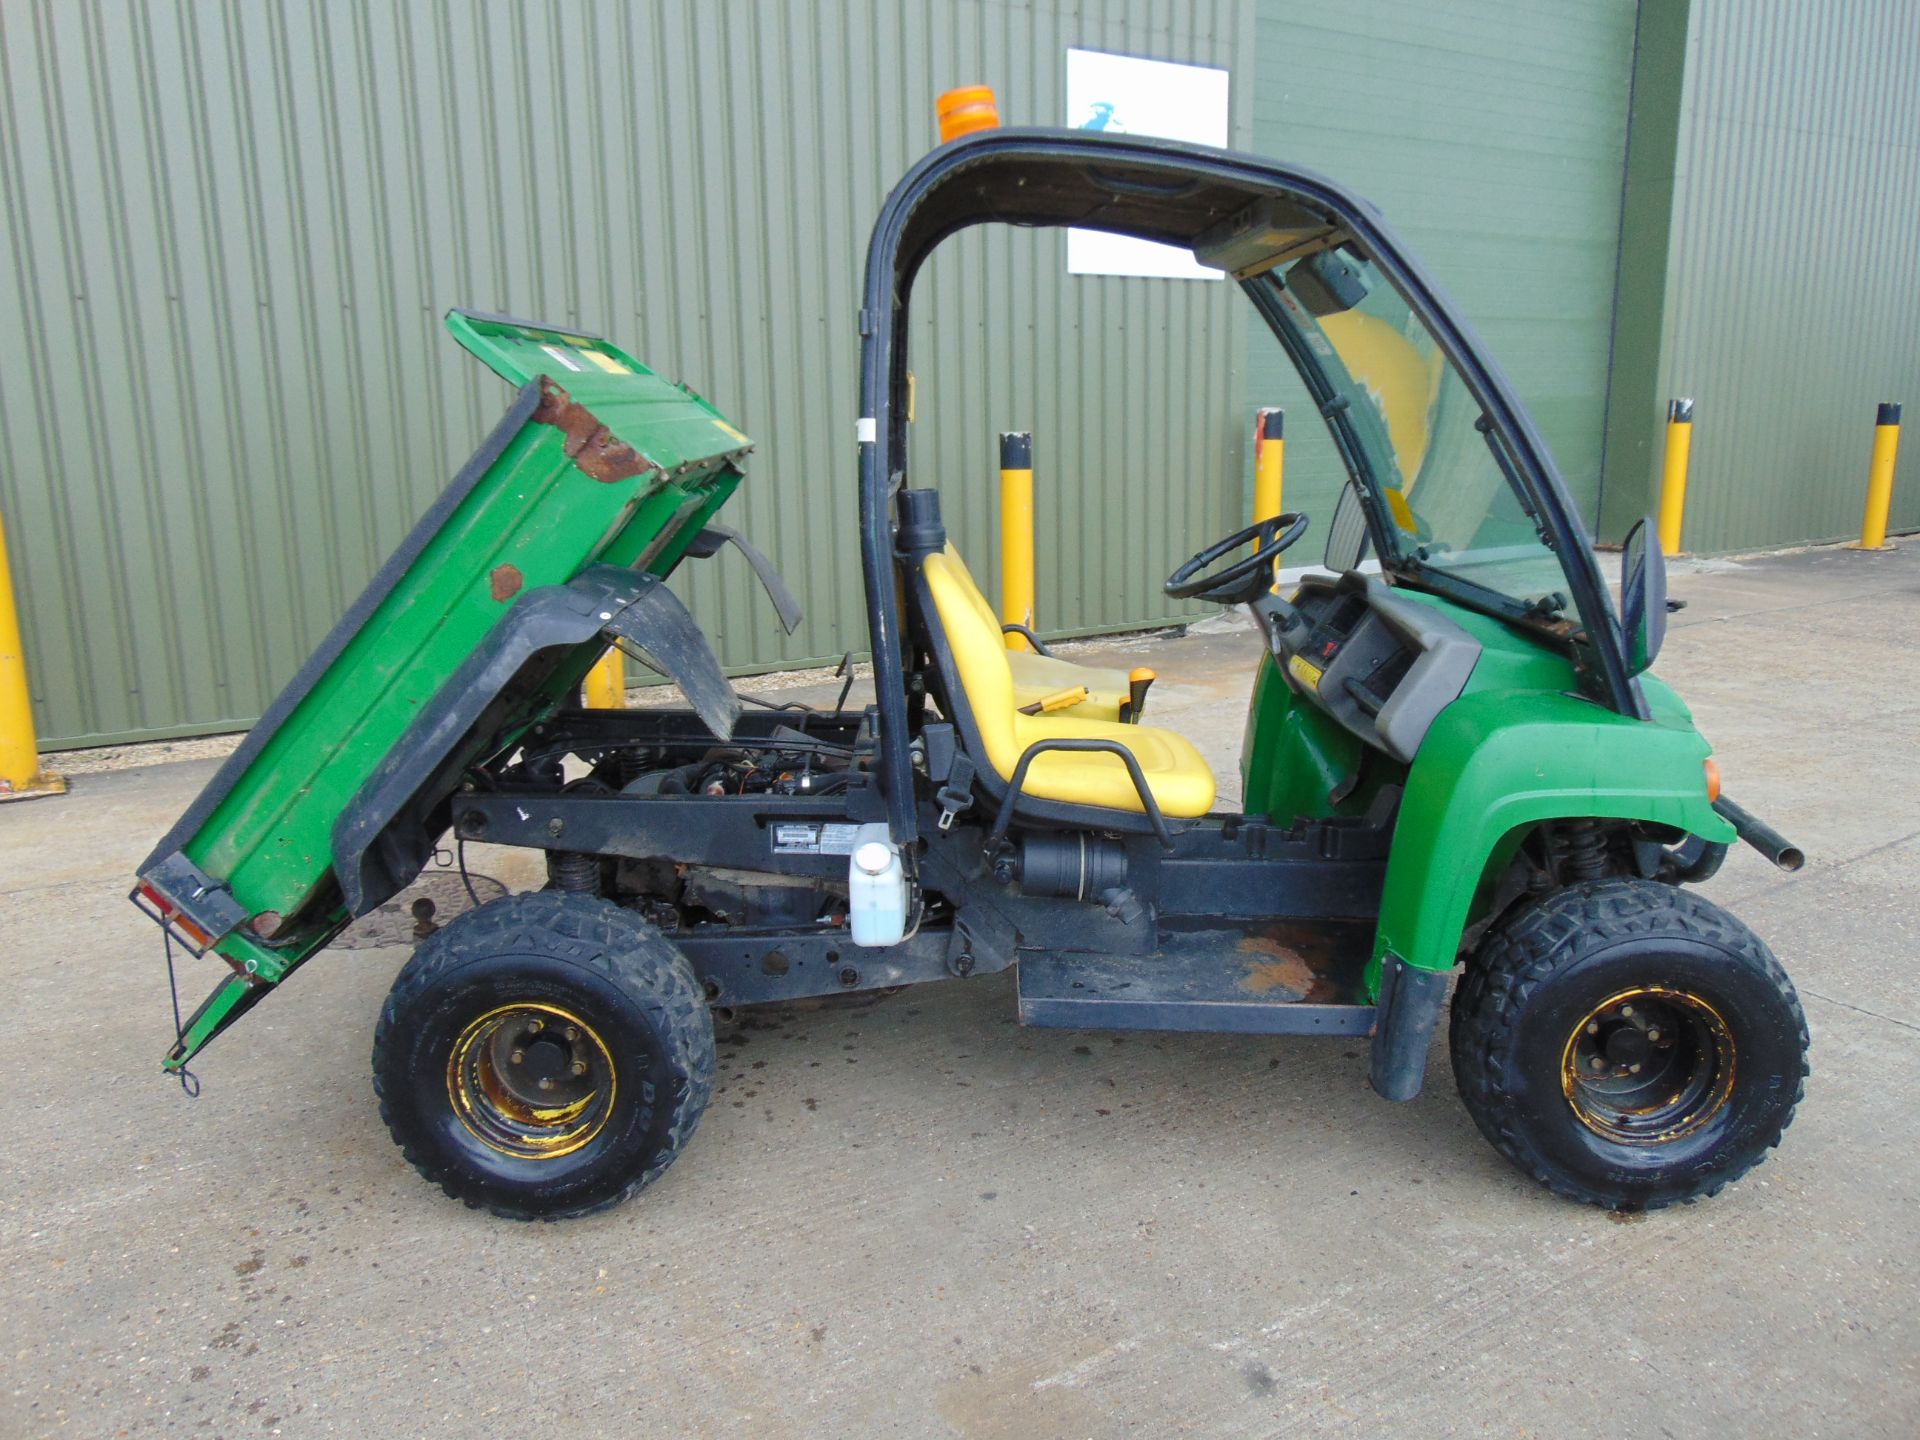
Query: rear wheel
point(1628, 1044)
point(544, 1056)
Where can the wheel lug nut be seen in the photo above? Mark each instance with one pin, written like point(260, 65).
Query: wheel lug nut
point(1626, 1010)
point(1634, 1069)
point(1653, 1034)
point(1598, 1063)
point(572, 1033)
point(518, 1057)
point(546, 1084)
point(534, 1027)
point(579, 1067)
point(1593, 1027)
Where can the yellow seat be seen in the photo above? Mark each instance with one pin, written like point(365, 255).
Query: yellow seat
point(1035, 677)
point(1181, 783)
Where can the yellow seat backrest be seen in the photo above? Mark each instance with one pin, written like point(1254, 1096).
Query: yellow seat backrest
point(1036, 676)
point(979, 654)
point(1176, 773)
point(975, 596)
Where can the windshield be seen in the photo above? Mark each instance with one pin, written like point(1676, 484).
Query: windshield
point(1441, 490)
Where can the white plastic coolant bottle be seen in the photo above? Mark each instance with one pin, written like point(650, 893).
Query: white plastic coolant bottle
point(876, 888)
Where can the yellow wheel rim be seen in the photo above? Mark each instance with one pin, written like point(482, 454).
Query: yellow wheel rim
point(1648, 1065)
point(531, 1080)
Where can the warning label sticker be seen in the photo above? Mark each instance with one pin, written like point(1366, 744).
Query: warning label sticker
point(814, 838)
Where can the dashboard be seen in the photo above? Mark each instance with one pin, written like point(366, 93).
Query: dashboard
point(1380, 664)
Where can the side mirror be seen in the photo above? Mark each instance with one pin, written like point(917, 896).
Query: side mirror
point(1347, 537)
point(1643, 596)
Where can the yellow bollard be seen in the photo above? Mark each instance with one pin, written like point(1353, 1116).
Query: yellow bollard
point(21, 777)
point(1886, 449)
point(1269, 462)
point(606, 683)
point(1673, 487)
point(1016, 534)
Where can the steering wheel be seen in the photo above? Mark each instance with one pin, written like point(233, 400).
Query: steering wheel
point(1247, 578)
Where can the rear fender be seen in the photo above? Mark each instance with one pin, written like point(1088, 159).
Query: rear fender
point(532, 659)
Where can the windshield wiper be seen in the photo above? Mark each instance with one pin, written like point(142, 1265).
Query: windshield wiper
point(1459, 587)
point(1514, 482)
point(1551, 606)
point(1548, 609)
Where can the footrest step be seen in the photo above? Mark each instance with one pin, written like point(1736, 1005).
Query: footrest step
point(1290, 979)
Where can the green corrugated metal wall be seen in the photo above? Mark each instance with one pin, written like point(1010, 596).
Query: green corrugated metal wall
point(1492, 135)
point(231, 231)
point(1792, 272)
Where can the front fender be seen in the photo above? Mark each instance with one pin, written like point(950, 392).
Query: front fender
point(1496, 763)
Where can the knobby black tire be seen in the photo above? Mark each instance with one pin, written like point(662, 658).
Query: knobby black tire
point(1572, 948)
point(594, 956)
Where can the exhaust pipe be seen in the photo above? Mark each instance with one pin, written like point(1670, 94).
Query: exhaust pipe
point(1761, 836)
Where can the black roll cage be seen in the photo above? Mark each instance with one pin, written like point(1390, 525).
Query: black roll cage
point(1158, 190)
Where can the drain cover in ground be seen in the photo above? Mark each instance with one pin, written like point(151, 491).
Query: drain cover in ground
point(393, 923)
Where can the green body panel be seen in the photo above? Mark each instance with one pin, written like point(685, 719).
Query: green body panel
point(1497, 762)
point(1294, 754)
point(1519, 746)
point(533, 517)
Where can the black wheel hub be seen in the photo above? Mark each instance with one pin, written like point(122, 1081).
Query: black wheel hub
point(532, 1081)
point(1627, 1045)
point(1648, 1065)
point(542, 1066)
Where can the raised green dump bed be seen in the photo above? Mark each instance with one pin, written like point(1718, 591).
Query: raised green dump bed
point(549, 544)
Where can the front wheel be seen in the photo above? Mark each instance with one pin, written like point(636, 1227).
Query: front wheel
point(1628, 1044)
point(545, 1056)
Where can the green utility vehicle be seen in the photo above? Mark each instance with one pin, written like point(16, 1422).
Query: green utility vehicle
point(1454, 757)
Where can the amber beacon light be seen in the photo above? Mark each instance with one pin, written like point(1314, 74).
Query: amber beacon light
point(965, 110)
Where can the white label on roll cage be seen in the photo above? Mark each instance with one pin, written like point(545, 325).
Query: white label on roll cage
point(814, 838)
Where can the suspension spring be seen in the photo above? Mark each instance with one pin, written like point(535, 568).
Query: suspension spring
point(573, 872)
point(1582, 847)
point(630, 765)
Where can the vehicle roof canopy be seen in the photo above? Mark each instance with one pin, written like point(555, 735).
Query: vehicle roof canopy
point(1157, 190)
point(1244, 213)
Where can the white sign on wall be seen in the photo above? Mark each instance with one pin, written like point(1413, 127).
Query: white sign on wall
point(1124, 94)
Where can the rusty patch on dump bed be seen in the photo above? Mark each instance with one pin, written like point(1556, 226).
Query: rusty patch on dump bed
point(506, 581)
point(589, 444)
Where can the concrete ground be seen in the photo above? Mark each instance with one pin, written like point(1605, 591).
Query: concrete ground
point(915, 1218)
